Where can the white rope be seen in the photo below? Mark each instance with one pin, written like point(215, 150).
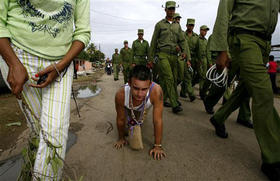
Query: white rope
point(219, 79)
point(191, 69)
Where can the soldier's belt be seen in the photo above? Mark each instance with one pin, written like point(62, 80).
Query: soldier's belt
point(249, 32)
point(172, 52)
point(140, 56)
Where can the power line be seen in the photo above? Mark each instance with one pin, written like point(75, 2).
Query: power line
point(118, 30)
point(118, 17)
point(120, 25)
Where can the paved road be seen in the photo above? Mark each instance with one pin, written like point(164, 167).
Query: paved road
point(193, 150)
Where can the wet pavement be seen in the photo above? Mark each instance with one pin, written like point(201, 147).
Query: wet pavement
point(87, 91)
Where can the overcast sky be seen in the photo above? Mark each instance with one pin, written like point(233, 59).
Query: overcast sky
point(114, 21)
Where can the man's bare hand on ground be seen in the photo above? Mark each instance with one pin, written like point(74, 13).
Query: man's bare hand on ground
point(157, 153)
point(121, 143)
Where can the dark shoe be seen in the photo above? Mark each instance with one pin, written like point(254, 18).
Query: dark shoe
point(167, 104)
point(271, 171)
point(224, 101)
point(247, 124)
point(177, 109)
point(208, 109)
point(182, 95)
point(179, 103)
point(115, 79)
point(219, 128)
point(202, 96)
point(192, 98)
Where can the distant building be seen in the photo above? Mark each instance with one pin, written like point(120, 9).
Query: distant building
point(83, 65)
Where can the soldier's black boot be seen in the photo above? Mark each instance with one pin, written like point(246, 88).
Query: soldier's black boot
point(219, 128)
point(167, 104)
point(208, 109)
point(247, 124)
point(182, 95)
point(177, 109)
point(272, 171)
point(179, 103)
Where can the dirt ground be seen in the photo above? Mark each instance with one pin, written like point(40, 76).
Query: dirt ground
point(193, 150)
point(13, 138)
point(10, 113)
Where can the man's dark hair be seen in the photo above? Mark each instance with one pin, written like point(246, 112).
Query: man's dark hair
point(271, 58)
point(140, 72)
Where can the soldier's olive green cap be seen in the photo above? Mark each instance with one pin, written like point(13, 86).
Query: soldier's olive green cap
point(190, 21)
point(204, 27)
point(170, 4)
point(177, 15)
point(125, 41)
point(116, 49)
point(140, 31)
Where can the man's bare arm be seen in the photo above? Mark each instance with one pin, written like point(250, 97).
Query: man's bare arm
point(17, 75)
point(119, 105)
point(157, 100)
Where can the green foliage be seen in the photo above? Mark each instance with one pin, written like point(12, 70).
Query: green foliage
point(83, 55)
point(97, 56)
point(29, 155)
point(92, 54)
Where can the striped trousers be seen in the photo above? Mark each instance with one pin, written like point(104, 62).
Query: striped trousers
point(51, 105)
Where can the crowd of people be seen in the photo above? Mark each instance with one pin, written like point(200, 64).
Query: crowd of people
point(38, 43)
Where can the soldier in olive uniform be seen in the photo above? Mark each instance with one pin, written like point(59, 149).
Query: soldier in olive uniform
point(202, 59)
point(116, 60)
point(166, 37)
point(126, 60)
point(184, 72)
point(192, 40)
point(140, 50)
point(248, 35)
point(181, 64)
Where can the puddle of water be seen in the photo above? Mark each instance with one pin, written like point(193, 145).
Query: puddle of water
point(87, 91)
point(10, 169)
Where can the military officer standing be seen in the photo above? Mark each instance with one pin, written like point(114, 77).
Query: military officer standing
point(126, 60)
point(184, 67)
point(116, 60)
point(202, 59)
point(166, 37)
point(140, 50)
point(248, 35)
point(181, 64)
point(192, 40)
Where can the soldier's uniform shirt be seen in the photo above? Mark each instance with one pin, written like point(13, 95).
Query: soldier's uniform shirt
point(140, 52)
point(166, 37)
point(192, 42)
point(248, 15)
